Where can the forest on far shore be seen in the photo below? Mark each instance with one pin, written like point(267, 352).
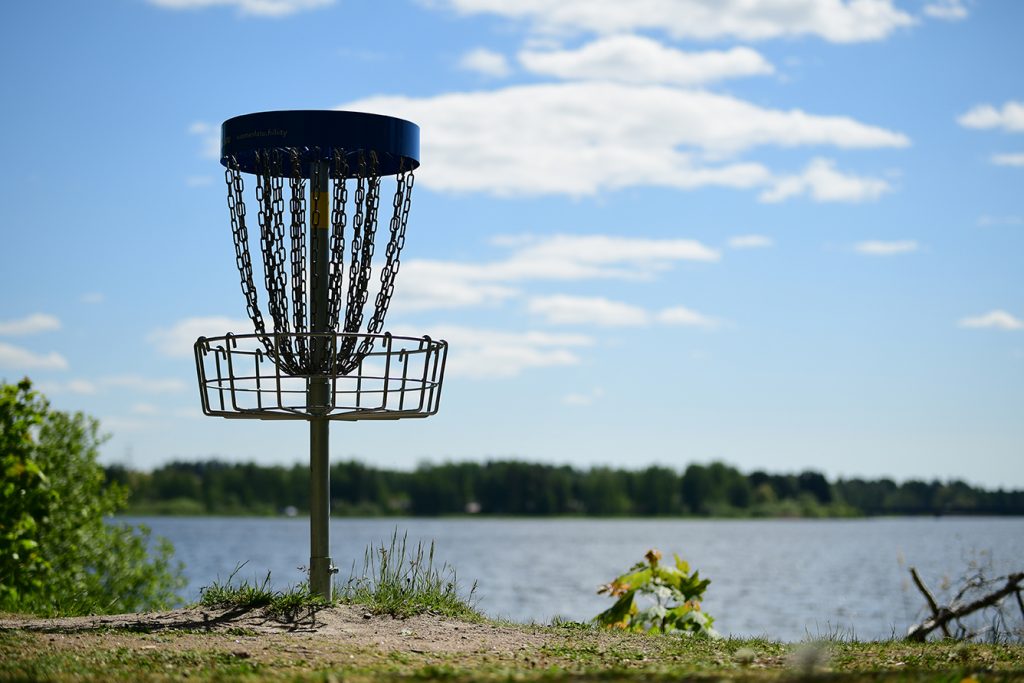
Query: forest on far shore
point(505, 487)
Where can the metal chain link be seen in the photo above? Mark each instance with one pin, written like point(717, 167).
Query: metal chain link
point(293, 351)
point(240, 237)
point(315, 180)
point(361, 268)
point(369, 243)
point(339, 220)
point(271, 207)
point(298, 254)
point(358, 216)
point(399, 219)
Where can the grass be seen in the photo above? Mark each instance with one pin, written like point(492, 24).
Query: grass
point(568, 653)
point(286, 605)
point(403, 583)
point(395, 580)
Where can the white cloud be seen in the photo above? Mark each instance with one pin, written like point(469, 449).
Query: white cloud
point(998, 320)
point(750, 242)
point(573, 257)
point(151, 385)
point(425, 285)
point(75, 386)
point(485, 62)
point(120, 424)
point(428, 284)
point(637, 59)
point(824, 183)
point(834, 20)
point(209, 137)
point(560, 309)
point(32, 324)
point(1014, 159)
point(261, 8)
point(948, 10)
point(986, 220)
point(481, 353)
point(93, 298)
point(680, 315)
point(583, 399)
point(1009, 118)
point(81, 386)
point(582, 138)
point(878, 248)
point(177, 341)
point(17, 358)
point(145, 409)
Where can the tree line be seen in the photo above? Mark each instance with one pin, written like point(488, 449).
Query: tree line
point(505, 487)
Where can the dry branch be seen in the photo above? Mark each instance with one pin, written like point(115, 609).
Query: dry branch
point(941, 616)
point(930, 599)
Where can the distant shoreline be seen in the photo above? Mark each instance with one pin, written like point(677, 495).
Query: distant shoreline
point(304, 514)
point(528, 489)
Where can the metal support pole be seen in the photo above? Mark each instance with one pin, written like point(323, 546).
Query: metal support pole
point(321, 569)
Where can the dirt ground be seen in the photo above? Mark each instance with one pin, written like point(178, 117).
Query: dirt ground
point(348, 643)
point(346, 625)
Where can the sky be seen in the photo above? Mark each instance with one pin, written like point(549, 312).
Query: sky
point(783, 234)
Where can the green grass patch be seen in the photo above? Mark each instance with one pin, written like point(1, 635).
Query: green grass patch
point(286, 605)
point(395, 580)
point(402, 582)
point(568, 656)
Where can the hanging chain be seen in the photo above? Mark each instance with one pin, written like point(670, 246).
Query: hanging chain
point(369, 234)
point(339, 220)
point(316, 232)
point(358, 216)
point(358, 219)
point(298, 255)
point(240, 236)
point(399, 219)
point(271, 219)
point(366, 264)
point(360, 269)
point(291, 348)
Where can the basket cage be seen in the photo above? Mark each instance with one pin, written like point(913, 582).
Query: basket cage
point(397, 377)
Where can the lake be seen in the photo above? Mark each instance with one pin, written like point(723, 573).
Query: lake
point(787, 579)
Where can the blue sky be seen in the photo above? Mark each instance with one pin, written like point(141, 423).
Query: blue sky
point(785, 234)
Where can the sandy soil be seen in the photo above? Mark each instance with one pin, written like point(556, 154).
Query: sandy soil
point(346, 624)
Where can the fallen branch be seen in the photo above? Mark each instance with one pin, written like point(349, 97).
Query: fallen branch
point(937, 612)
point(941, 616)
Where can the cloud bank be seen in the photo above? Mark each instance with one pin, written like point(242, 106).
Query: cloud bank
point(839, 21)
point(582, 138)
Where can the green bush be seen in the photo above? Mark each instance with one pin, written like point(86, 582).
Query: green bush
point(59, 551)
point(673, 594)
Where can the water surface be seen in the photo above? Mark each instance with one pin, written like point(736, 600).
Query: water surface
point(787, 579)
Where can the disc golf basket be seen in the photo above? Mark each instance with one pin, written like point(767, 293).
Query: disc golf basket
point(318, 179)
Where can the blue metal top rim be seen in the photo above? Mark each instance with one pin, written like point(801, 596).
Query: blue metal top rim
point(317, 133)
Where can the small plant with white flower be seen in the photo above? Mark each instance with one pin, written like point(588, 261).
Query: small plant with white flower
point(672, 595)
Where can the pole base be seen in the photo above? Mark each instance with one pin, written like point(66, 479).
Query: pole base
point(321, 576)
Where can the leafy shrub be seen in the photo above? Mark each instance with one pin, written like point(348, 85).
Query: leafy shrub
point(673, 593)
point(58, 553)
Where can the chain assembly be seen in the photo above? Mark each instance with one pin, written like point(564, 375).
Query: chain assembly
point(287, 268)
